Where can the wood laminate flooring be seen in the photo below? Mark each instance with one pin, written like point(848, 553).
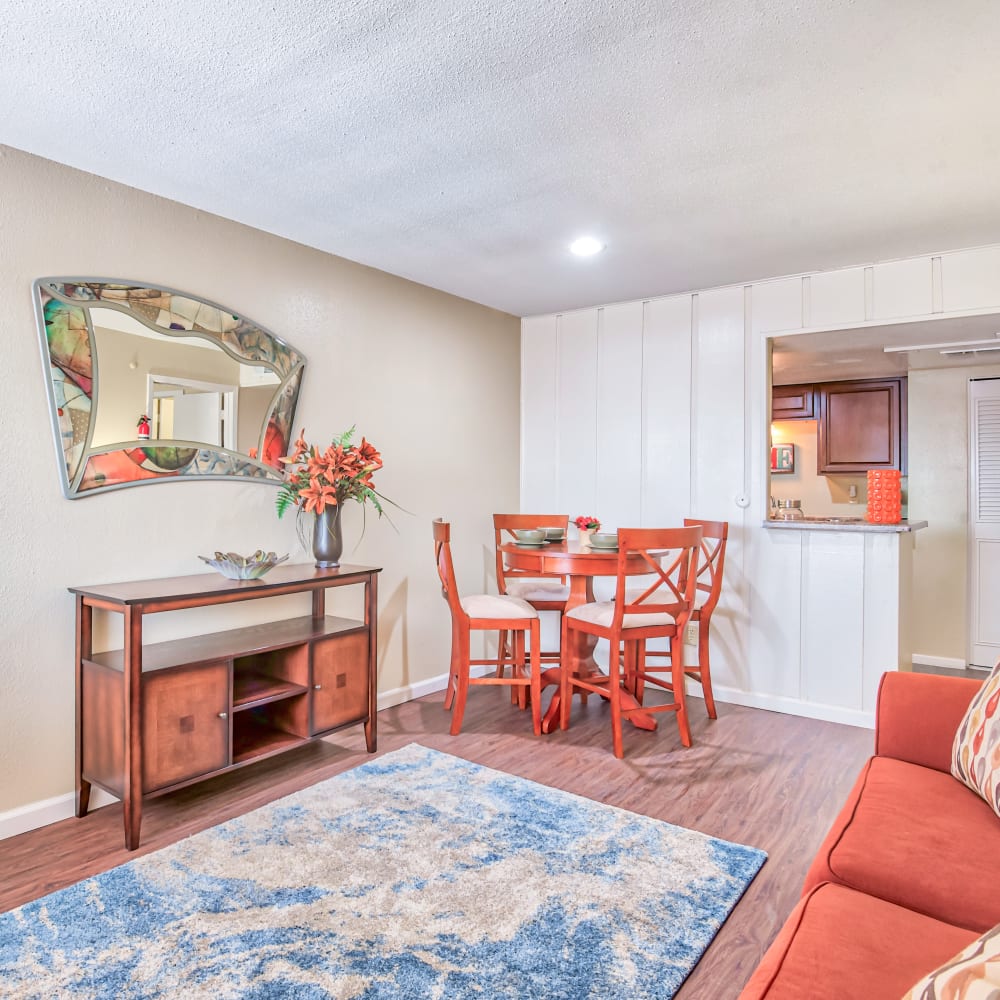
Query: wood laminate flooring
point(760, 778)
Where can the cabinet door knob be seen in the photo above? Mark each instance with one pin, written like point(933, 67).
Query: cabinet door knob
point(223, 715)
point(317, 687)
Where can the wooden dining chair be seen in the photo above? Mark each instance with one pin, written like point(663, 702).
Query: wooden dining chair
point(479, 613)
point(708, 574)
point(542, 591)
point(661, 610)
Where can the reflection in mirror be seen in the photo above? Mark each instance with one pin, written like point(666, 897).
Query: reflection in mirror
point(148, 384)
point(189, 388)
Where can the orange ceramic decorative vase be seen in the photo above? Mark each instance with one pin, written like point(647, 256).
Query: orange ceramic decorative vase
point(884, 497)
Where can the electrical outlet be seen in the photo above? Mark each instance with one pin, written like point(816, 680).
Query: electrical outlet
point(690, 635)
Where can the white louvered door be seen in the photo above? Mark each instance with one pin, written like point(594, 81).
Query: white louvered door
point(984, 521)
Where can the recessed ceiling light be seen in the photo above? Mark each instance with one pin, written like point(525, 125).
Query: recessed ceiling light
point(586, 246)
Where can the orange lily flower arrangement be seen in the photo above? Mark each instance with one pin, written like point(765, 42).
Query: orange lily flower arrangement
point(316, 480)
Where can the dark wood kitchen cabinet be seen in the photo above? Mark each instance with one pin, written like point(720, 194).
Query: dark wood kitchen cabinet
point(792, 402)
point(861, 426)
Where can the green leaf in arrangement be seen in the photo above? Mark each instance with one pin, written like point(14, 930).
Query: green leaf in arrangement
point(316, 479)
point(283, 501)
point(345, 439)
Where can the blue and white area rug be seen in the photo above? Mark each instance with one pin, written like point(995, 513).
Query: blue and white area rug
point(415, 875)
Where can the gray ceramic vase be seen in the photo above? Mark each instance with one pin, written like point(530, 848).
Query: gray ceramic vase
point(328, 541)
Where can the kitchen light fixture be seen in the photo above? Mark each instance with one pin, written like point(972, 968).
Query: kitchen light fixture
point(586, 246)
point(934, 347)
point(972, 350)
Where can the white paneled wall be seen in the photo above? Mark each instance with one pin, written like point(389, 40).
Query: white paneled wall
point(902, 288)
point(970, 279)
point(666, 410)
point(646, 412)
point(719, 459)
point(832, 616)
point(719, 464)
point(886, 559)
point(619, 415)
point(539, 423)
point(576, 411)
point(774, 557)
point(835, 298)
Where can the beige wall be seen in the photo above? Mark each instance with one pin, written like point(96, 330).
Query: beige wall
point(432, 380)
point(938, 458)
point(821, 496)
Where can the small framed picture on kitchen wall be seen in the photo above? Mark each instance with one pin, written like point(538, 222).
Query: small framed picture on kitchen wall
point(782, 458)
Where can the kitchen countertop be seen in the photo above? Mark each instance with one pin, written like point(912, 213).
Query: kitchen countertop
point(845, 524)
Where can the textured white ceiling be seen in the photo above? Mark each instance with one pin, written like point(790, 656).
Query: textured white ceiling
point(464, 144)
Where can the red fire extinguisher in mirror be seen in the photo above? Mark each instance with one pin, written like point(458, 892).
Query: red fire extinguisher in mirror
point(142, 428)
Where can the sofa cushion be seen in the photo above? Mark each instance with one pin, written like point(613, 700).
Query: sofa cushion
point(916, 837)
point(975, 758)
point(973, 974)
point(918, 715)
point(839, 943)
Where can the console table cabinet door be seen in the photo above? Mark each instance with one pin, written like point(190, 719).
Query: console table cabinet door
point(185, 723)
point(862, 426)
point(340, 681)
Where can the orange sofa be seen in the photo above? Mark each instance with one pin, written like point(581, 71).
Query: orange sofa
point(908, 874)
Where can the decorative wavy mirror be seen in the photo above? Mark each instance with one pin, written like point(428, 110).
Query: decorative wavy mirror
point(147, 384)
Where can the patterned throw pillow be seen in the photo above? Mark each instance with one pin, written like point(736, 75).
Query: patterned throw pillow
point(975, 755)
point(973, 974)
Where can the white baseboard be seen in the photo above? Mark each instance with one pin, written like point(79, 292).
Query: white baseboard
point(949, 662)
point(38, 814)
point(410, 692)
point(789, 706)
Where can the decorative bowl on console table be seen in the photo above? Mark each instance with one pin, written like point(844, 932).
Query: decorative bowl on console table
point(237, 567)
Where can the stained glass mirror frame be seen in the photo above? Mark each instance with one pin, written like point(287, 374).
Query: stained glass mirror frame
point(63, 310)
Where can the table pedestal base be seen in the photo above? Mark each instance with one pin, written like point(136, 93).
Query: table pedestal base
point(550, 720)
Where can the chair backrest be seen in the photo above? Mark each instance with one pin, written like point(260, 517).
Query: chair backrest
point(445, 566)
point(711, 562)
point(504, 526)
point(671, 554)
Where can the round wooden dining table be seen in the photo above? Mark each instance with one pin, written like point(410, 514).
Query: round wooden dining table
point(579, 564)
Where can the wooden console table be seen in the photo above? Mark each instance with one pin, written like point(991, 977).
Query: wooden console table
point(151, 719)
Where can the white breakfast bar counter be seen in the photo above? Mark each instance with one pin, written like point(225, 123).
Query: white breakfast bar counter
point(845, 588)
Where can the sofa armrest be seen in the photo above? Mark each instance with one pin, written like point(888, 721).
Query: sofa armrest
point(918, 715)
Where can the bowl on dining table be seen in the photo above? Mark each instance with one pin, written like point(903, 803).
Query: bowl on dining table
point(530, 536)
point(604, 540)
point(554, 534)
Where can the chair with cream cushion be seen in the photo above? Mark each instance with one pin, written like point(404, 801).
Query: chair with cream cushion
point(486, 612)
point(661, 610)
point(711, 563)
point(543, 593)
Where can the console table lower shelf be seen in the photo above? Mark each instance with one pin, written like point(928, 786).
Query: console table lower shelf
point(154, 718)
